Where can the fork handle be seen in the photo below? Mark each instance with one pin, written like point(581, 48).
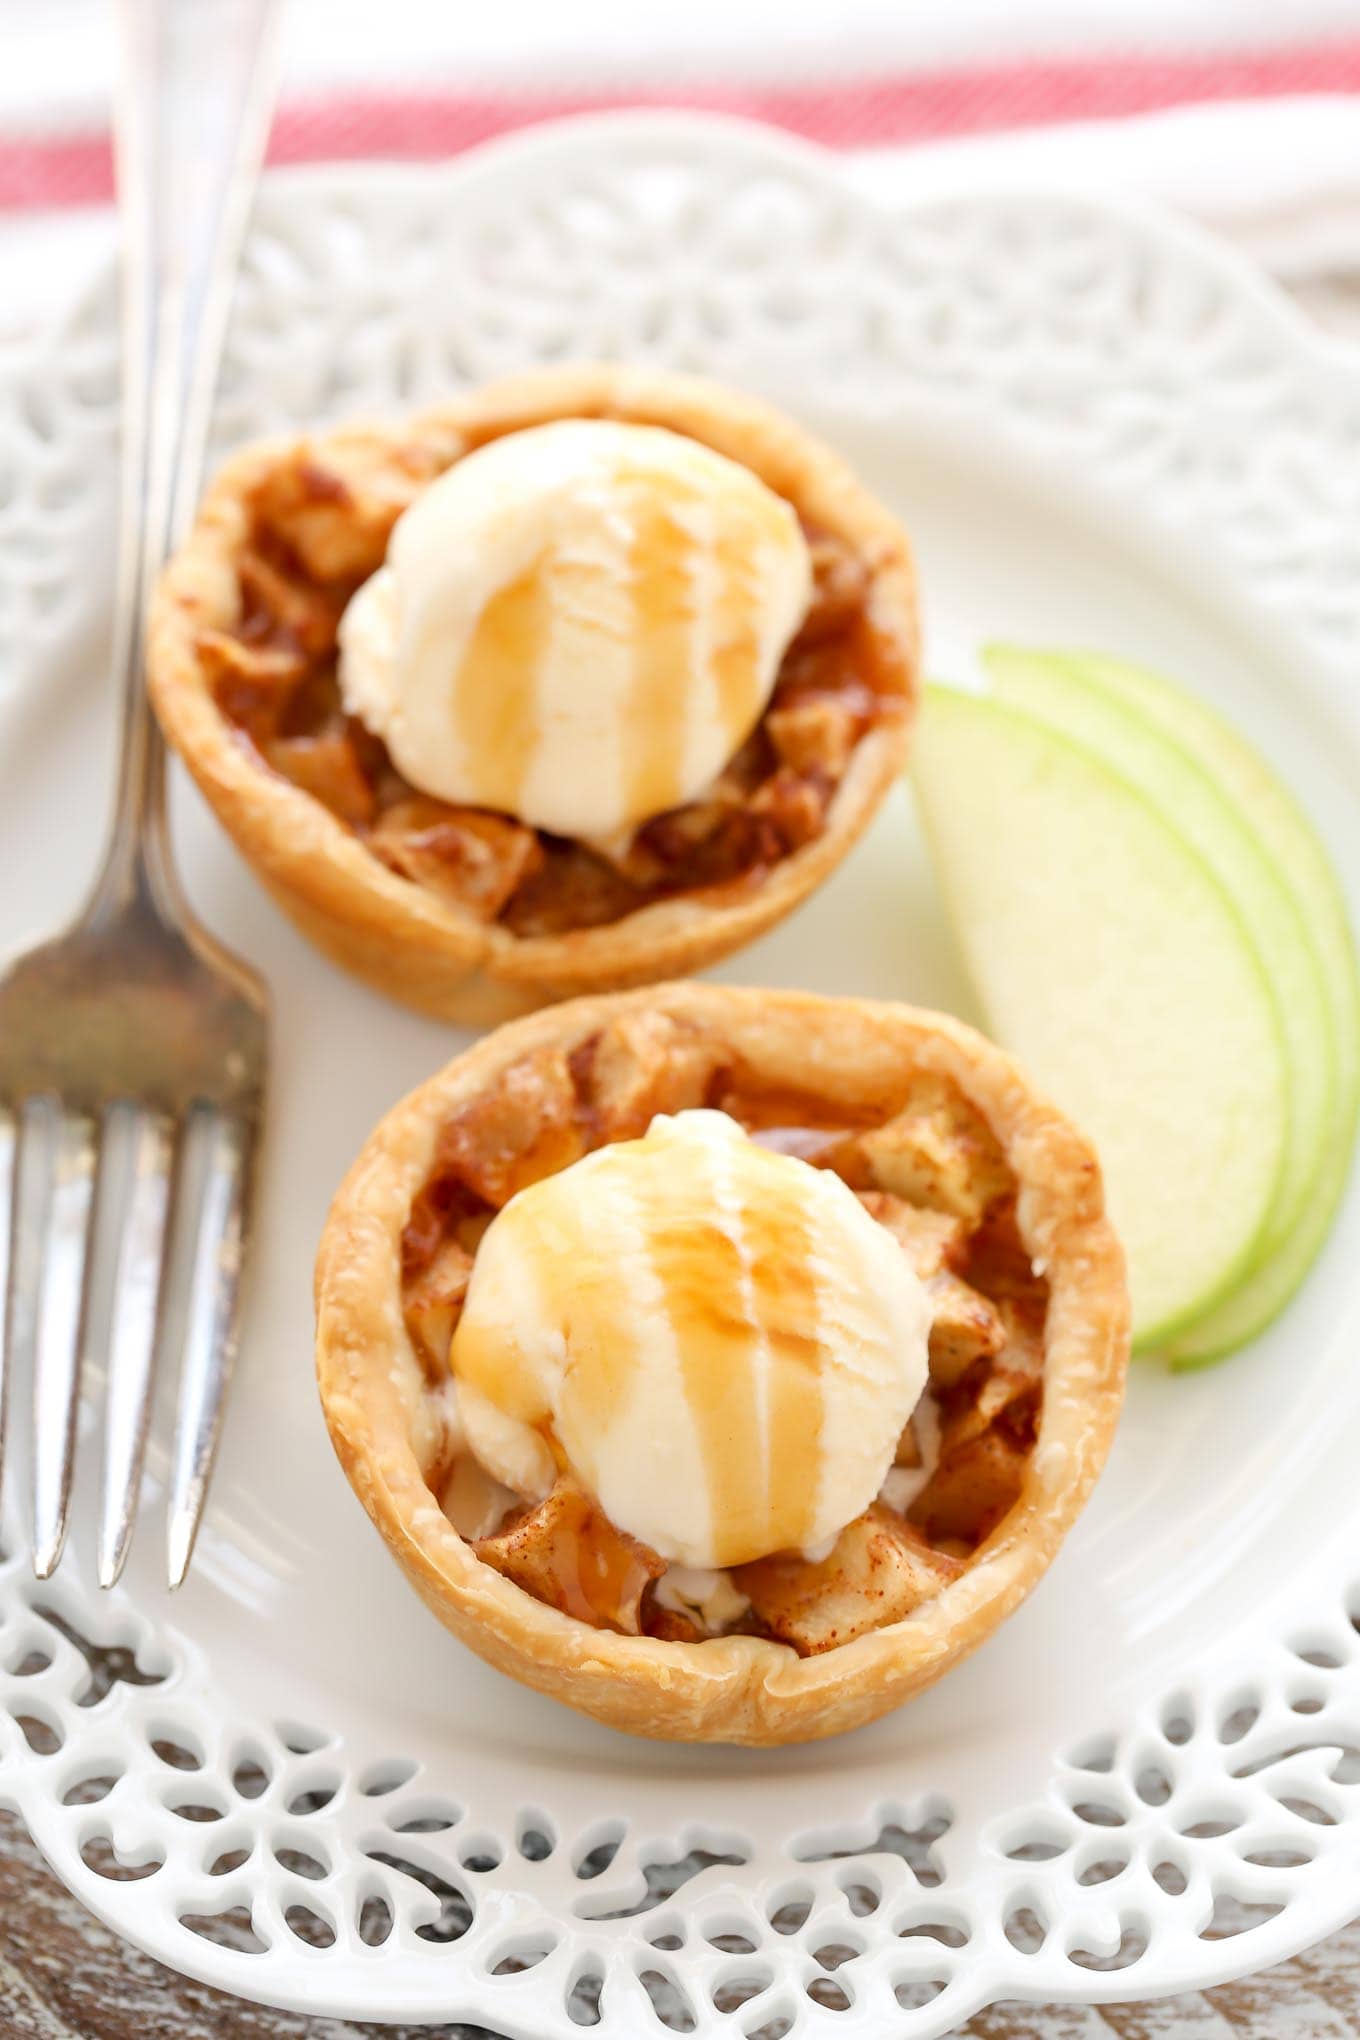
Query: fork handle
point(194, 95)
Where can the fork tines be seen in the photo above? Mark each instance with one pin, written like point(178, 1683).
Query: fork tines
point(120, 1244)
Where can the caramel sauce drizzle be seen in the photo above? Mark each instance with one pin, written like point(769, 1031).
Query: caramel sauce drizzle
point(781, 1248)
point(496, 695)
point(657, 713)
point(736, 637)
point(703, 1278)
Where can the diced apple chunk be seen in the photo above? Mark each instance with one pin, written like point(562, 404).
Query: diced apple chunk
point(252, 684)
point(931, 1240)
point(229, 660)
point(471, 860)
point(840, 587)
point(814, 732)
point(1010, 1392)
point(336, 508)
point(964, 1328)
point(972, 1488)
point(300, 611)
point(644, 1063)
point(668, 1624)
point(524, 1127)
point(879, 1570)
point(326, 767)
point(566, 1552)
point(787, 810)
point(939, 1153)
point(434, 1302)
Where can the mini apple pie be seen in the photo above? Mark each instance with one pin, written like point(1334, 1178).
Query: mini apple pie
point(726, 1364)
point(579, 681)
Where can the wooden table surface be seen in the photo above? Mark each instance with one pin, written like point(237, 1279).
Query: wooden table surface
point(63, 1977)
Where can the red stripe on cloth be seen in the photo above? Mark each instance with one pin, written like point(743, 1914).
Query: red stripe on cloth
point(849, 113)
point(74, 172)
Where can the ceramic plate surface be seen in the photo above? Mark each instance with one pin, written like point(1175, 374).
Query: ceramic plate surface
point(1100, 429)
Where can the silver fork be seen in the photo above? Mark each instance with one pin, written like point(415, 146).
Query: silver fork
point(133, 1048)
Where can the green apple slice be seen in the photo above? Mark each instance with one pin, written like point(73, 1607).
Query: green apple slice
point(1258, 1300)
point(1288, 837)
point(1108, 956)
point(1055, 688)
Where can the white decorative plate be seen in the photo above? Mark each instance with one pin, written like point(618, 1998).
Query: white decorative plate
point(1101, 429)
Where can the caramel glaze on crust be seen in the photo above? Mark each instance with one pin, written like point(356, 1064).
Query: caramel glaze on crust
point(399, 936)
point(737, 1689)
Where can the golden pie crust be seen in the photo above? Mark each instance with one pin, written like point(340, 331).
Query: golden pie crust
point(402, 937)
point(731, 1688)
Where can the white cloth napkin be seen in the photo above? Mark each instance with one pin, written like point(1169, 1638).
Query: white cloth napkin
point(1280, 175)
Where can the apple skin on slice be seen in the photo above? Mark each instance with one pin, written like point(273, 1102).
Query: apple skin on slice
point(1055, 688)
point(1110, 959)
point(1290, 840)
point(1218, 1332)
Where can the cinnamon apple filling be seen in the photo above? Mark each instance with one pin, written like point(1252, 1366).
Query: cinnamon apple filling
point(321, 522)
point(737, 1361)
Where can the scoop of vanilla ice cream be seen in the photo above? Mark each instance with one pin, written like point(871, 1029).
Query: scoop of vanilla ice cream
point(718, 1340)
point(578, 624)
